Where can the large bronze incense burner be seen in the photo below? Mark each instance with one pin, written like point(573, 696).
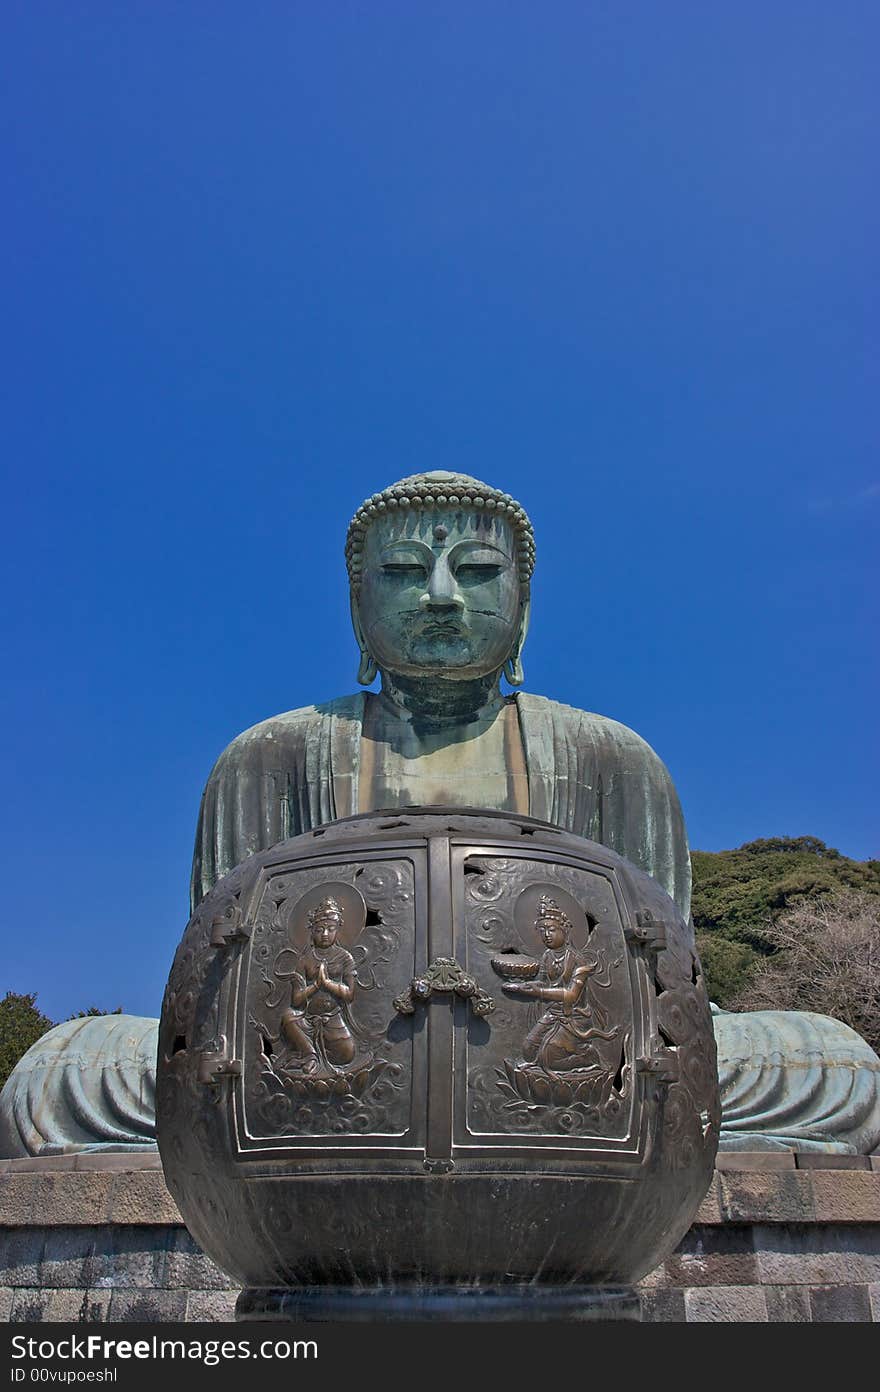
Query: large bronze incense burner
point(436, 1050)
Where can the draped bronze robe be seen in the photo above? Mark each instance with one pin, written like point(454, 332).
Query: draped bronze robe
point(586, 774)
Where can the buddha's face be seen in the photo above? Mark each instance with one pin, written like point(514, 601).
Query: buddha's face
point(440, 594)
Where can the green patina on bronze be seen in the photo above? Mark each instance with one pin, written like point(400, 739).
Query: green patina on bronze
point(440, 566)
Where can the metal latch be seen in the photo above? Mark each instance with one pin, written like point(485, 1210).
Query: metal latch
point(444, 975)
point(216, 1065)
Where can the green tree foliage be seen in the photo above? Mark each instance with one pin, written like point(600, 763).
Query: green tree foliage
point(727, 966)
point(21, 1025)
point(739, 894)
point(94, 1010)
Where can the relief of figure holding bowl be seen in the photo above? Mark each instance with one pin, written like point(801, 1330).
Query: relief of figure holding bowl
point(561, 1037)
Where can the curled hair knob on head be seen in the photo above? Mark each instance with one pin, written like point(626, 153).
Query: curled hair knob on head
point(440, 488)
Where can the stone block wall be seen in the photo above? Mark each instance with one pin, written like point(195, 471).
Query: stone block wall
point(778, 1238)
point(95, 1238)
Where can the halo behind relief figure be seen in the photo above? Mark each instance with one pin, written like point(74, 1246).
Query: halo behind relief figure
point(298, 917)
point(530, 907)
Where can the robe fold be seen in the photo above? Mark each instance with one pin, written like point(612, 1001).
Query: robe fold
point(587, 774)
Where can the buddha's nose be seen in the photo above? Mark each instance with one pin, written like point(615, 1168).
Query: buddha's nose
point(442, 591)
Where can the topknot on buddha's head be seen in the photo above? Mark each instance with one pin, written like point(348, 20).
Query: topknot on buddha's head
point(441, 489)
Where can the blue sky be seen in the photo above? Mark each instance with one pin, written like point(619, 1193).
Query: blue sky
point(619, 260)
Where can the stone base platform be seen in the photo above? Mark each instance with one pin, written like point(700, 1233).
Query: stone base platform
point(778, 1238)
point(517, 1303)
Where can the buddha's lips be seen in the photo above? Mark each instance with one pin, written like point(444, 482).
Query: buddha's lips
point(451, 628)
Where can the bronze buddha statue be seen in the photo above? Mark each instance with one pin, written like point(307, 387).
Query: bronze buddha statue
point(440, 567)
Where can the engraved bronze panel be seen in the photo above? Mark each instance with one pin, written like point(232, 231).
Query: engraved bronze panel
point(558, 1062)
point(332, 946)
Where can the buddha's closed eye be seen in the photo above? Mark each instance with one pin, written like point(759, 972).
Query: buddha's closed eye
point(407, 569)
point(470, 573)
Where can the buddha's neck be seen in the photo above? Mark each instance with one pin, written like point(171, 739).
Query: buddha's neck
point(431, 700)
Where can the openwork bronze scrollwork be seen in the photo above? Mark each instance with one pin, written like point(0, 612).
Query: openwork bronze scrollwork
point(444, 975)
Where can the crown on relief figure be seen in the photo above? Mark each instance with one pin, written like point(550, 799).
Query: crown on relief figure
point(549, 911)
point(327, 911)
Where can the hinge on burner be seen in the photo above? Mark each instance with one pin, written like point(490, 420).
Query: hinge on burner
point(228, 927)
point(647, 931)
point(217, 1065)
point(662, 1064)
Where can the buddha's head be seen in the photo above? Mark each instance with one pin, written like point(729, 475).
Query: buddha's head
point(440, 566)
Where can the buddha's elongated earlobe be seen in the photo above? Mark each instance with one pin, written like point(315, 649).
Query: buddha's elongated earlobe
point(513, 668)
point(367, 669)
point(513, 671)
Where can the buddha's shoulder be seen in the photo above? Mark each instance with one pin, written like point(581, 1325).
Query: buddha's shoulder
point(580, 724)
point(540, 707)
point(289, 730)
